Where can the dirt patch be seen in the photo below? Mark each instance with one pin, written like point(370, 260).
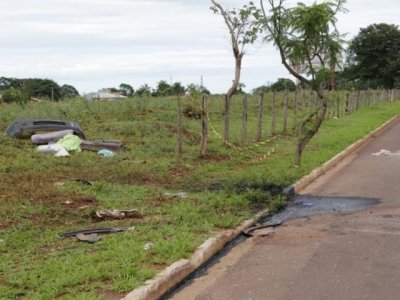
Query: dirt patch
point(194, 137)
point(159, 200)
point(109, 295)
point(216, 158)
point(78, 202)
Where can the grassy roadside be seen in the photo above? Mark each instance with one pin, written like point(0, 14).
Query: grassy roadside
point(39, 200)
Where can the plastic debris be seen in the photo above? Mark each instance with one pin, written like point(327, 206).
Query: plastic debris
point(383, 152)
point(177, 195)
point(106, 153)
point(308, 204)
point(118, 214)
point(131, 229)
point(45, 138)
point(148, 246)
point(88, 238)
point(71, 142)
point(57, 149)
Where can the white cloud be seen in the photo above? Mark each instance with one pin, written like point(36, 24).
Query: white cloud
point(97, 43)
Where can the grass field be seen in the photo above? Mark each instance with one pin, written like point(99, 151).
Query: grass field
point(39, 197)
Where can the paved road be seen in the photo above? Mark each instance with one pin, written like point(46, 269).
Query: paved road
point(353, 256)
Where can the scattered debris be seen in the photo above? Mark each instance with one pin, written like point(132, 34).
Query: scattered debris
point(88, 238)
point(308, 204)
point(148, 246)
point(118, 214)
point(270, 223)
point(83, 181)
point(56, 149)
point(131, 229)
point(90, 231)
point(45, 138)
point(106, 153)
point(384, 152)
point(68, 202)
point(102, 144)
point(21, 127)
point(2, 241)
point(176, 195)
point(70, 142)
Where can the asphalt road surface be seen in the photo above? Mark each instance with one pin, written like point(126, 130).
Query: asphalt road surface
point(329, 256)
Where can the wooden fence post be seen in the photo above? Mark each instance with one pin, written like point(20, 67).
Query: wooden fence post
point(179, 144)
point(337, 105)
point(260, 118)
point(244, 121)
point(295, 103)
point(226, 121)
point(347, 109)
point(273, 110)
point(285, 111)
point(204, 127)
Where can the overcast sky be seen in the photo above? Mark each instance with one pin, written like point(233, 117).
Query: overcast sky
point(93, 44)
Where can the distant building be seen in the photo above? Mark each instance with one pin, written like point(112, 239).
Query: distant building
point(104, 96)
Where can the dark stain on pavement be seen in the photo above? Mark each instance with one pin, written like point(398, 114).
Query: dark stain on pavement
point(302, 206)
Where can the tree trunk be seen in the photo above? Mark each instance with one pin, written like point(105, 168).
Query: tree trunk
point(314, 119)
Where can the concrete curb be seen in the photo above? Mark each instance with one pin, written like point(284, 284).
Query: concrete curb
point(321, 170)
point(175, 273)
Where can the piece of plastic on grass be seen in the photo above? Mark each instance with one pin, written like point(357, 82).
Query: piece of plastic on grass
point(106, 153)
point(71, 142)
point(56, 149)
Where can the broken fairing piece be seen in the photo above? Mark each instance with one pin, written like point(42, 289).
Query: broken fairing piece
point(90, 231)
point(118, 214)
point(271, 223)
point(45, 138)
point(88, 238)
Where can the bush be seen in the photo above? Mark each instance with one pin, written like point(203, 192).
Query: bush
point(13, 95)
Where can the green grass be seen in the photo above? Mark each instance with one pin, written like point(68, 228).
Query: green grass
point(222, 190)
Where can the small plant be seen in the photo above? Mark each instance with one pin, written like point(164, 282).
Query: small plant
point(278, 203)
point(192, 112)
point(12, 95)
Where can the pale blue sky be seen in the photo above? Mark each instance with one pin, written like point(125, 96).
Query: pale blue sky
point(93, 44)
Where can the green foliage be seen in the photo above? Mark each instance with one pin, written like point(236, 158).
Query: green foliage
point(126, 90)
point(13, 95)
point(178, 89)
point(374, 57)
point(243, 22)
point(39, 88)
point(143, 91)
point(283, 84)
point(68, 92)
